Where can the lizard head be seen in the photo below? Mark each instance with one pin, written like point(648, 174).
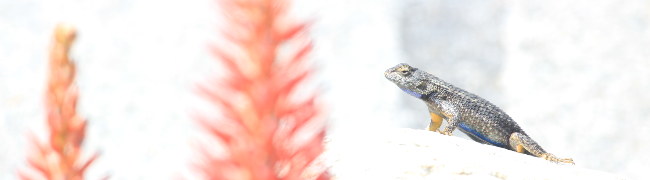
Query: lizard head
point(411, 80)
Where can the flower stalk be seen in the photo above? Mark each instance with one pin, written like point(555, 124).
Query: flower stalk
point(266, 131)
point(59, 158)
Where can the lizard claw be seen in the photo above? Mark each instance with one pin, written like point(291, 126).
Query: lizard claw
point(555, 159)
point(567, 160)
point(445, 133)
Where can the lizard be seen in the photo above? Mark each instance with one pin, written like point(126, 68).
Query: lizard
point(481, 120)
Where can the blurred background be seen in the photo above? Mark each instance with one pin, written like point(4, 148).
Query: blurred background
point(573, 74)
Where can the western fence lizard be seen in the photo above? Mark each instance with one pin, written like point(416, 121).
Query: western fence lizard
point(481, 120)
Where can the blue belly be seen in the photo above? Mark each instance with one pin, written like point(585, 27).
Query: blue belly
point(412, 93)
point(480, 136)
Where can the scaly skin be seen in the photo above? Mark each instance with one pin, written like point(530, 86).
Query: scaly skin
point(478, 118)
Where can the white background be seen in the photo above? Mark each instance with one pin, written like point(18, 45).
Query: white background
point(575, 75)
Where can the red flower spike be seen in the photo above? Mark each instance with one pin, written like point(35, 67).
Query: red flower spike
point(291, 82)
point(58, 157)
point(39, 167)
point(301, 54)
point(293, 31)
point(230, 63)
point(85, 165)
point(262, 120)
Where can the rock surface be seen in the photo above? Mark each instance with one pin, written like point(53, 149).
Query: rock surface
point(420, 154)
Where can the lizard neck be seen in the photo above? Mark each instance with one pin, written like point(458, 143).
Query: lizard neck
point(415, 94)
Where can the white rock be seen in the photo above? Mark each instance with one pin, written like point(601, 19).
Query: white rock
point(420, 154)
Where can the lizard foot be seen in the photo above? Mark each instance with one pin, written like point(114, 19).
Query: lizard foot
point(432, 129)
point(553, 158)
point(445, 133)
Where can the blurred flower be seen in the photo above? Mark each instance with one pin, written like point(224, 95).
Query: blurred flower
point(266, 130)
point(59, 158)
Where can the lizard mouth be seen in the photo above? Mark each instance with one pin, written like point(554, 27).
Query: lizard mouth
point(388, 75)
point(387, 72)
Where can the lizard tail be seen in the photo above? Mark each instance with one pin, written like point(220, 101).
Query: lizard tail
point(523, 144)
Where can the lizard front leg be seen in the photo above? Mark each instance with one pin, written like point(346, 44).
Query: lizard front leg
point(436, 122)
point(452, 124)
point(436, 119)
point(450, 115)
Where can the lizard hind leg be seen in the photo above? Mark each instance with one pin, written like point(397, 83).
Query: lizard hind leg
point(436, 122)
point(523, 144)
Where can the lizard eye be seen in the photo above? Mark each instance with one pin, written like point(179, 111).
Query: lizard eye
point(405, 72)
